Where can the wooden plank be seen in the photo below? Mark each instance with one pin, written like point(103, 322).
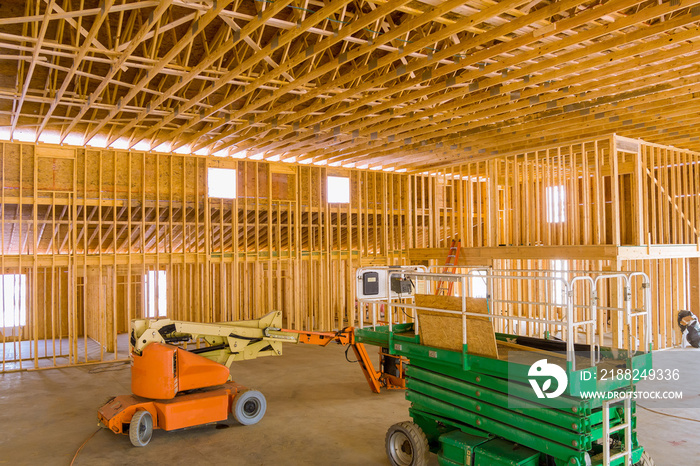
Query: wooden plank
point(445, 331)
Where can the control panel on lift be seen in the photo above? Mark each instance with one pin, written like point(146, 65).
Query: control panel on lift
point(372, 282)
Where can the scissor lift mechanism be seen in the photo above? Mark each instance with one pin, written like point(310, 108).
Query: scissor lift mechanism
point(460, 406)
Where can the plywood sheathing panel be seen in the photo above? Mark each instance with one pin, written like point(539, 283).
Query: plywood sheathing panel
point(443, 330)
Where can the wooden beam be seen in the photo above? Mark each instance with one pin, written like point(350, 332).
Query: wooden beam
point(32, 65)
point(196, 28)
point(133, 44)
point(105, 6)
point(209, 59)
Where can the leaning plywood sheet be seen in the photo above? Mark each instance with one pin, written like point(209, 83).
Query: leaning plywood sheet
point(443, 330)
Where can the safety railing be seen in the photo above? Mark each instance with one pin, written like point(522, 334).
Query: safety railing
point(540, 303)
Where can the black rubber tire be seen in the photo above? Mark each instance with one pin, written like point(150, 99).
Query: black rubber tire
point(141, 428)
point(645, 460)
point(407, 445)
point(249, 407)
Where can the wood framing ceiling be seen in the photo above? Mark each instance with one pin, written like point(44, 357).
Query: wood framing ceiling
point(396, 84)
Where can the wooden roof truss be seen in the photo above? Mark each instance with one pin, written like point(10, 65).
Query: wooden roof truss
point(393, 84)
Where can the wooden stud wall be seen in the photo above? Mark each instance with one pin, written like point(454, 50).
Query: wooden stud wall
point(505, 200)
point(671, 193)
point(617, 191)
point(86, 226)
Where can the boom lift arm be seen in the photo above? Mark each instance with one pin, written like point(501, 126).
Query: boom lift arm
point(391, 373)
point(227, 341)
point(250, 339)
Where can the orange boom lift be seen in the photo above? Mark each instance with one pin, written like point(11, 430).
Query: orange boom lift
point(173, 387)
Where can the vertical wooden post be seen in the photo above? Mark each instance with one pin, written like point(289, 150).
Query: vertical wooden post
point(694, 285)
point(638, 199)
point(615, 191)
point(33, 279)
point(492, 204)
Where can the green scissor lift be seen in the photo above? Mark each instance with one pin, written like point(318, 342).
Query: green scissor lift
point(461, 410)
point(479, 411)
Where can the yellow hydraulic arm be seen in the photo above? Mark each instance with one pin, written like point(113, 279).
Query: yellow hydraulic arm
point(227, 341)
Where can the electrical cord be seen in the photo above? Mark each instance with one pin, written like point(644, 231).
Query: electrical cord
point(669, 415)
point(346, 355)
point(401, 297)
point(81, 446)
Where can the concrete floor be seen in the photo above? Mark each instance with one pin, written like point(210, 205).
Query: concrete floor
point(320, 412)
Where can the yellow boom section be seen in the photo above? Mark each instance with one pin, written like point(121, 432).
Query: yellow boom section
point(227, 341)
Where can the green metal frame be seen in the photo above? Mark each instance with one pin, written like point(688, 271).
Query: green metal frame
point(492, 398)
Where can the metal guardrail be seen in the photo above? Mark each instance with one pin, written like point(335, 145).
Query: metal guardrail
point(569, 324)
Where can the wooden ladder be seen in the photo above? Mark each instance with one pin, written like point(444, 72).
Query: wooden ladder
point(450, 267)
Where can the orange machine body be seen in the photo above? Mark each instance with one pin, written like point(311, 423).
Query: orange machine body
point(184, 410)
point(162, 371)
point(162, 379)
point(182, 389)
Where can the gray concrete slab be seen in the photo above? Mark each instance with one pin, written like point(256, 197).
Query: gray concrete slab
point(320, 412)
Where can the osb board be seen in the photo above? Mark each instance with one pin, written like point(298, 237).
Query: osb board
point(55, 174)
point(283, 186)
point(443, 330)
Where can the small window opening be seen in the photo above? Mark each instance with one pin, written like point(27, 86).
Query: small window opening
point(156, 294)
point(221, 182)
point(13, 296)
point(556, 204)
point(338, 189)
point(478, 284)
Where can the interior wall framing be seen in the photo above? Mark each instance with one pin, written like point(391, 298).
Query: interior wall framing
point(85, 226)
point(628, 205)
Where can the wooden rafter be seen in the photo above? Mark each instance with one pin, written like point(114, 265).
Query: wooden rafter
point(32, 65)
point(105, 5)
point(402, 84)
point(471, 75)
point(197, 26)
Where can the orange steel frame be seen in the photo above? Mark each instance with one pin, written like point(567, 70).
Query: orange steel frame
point(375, 379)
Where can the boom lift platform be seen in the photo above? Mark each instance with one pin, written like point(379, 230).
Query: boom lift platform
point(174, 388)
point(472, 389)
